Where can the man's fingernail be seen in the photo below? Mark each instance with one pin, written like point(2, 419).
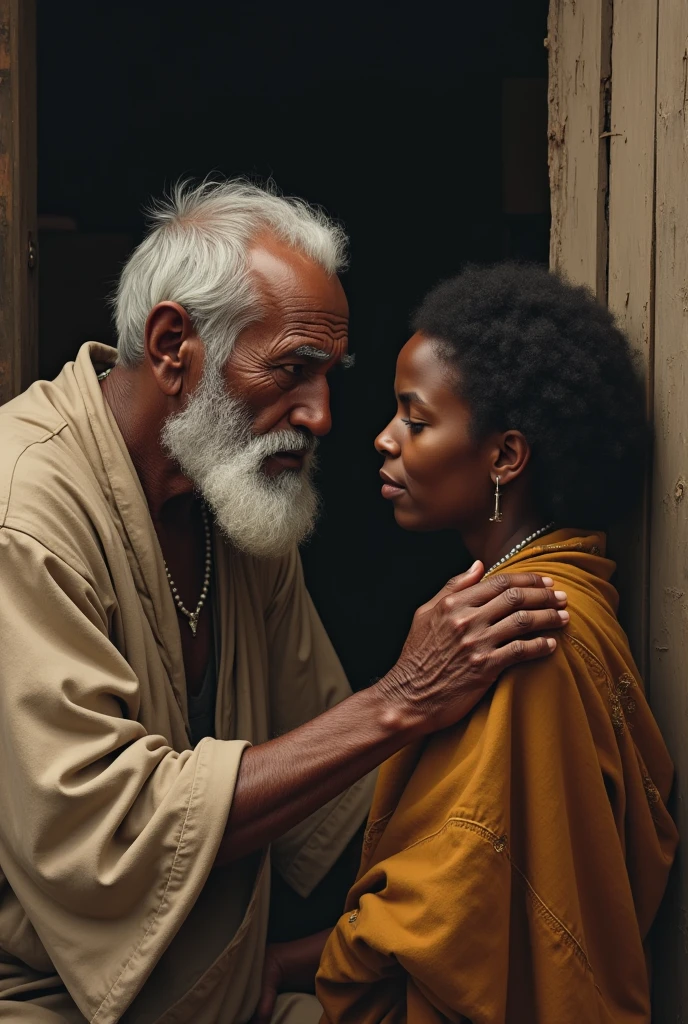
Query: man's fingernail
point(547, 581)
point(564, 616)
point(475, 567)
point(551, 643)
point(560, 595)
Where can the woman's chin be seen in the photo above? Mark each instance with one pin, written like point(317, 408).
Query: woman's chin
point(412, 521)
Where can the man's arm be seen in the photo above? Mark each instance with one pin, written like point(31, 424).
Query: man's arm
point(106, 832)
point(459, 643)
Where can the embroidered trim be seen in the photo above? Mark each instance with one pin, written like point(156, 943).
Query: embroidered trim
point(622, 705)
point(373, 829)
point(651, 791)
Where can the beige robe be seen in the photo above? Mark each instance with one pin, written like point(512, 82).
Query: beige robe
point(109, 822)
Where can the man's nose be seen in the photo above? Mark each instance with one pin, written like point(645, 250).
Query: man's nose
point(313, 413)
point(385, 443)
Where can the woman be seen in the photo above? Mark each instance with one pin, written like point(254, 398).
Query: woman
point(513, 864)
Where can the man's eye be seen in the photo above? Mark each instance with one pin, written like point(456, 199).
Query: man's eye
point(293, 369)
point(415, 426)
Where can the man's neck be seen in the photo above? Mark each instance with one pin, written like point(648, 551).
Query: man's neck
point(140, 412)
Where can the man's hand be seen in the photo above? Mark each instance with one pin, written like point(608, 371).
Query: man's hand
point(458, 644)
point(271, 985)
point(288, 967)
point(466, 636)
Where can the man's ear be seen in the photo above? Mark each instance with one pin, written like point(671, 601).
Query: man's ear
point(511, 456)
point(171, 345)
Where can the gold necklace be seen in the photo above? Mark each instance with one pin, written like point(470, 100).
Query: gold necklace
point(193, 616)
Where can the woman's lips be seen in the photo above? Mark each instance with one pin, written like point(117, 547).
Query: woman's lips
point(390, 488)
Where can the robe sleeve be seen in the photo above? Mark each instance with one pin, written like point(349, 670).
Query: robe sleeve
point(498, 890)
point(306, 678)
point(410, 946)
point(107, 835)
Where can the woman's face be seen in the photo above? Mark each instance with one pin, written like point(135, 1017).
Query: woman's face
point(435, 473)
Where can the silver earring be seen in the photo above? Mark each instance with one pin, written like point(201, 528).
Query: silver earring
point(497, 517)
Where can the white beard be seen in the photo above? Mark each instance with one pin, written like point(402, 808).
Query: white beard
point(213, 443)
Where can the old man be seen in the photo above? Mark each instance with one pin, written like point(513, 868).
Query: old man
point(173, 716)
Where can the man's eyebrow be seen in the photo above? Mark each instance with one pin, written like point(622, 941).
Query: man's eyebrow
point(310, 352)
point(411, 396)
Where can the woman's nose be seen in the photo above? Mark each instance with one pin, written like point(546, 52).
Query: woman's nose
point(385, 443)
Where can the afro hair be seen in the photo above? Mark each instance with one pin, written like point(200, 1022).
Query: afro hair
point(531, 352)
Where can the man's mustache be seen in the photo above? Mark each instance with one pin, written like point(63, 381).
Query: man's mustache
point(286, 441)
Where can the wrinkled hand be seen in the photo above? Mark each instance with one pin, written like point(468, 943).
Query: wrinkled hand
point(271, 985)
point(288, 967)
point(466, 636)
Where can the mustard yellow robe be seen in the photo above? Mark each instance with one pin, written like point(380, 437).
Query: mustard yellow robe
point(513, 864)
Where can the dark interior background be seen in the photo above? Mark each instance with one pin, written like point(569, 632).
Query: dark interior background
point(423, 131)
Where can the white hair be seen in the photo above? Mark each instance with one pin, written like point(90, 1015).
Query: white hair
point(196, 254)
point(213, 441)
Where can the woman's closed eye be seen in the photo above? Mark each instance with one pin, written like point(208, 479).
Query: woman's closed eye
point(415, 426)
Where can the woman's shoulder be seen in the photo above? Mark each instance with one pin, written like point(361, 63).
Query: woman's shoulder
point(594, 640)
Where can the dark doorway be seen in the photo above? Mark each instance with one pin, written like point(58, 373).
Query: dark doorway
point(423, 132)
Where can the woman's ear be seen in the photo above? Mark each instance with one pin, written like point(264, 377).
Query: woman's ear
point(511, 457)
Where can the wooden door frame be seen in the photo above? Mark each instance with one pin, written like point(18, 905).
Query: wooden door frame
point(18, 186)
point(618, 151)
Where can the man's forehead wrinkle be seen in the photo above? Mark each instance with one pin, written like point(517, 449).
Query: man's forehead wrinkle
point(324, 334)
point(301, 311)
point(313, 329)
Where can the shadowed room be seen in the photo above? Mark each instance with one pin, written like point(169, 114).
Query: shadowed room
point(423, 132)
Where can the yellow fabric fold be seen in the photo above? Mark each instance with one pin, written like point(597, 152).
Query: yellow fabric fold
point(513, 864)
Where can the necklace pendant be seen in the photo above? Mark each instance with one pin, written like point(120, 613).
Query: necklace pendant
point(193, 623)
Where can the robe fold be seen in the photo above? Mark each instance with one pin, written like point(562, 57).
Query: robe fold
point(513, 864)
point(109, 821)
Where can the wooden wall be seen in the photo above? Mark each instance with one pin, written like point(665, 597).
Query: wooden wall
point(18, 234)
point(669, 526)
point(618, 139)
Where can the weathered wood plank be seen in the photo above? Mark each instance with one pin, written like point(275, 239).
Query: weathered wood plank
point(669, 533)
point(579, 41)
point(18, 279)
point(631, 264)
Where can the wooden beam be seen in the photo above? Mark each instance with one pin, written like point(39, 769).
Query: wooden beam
point(18, 235)
point(669, 532)
point(579, 42)
point(631, 267)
